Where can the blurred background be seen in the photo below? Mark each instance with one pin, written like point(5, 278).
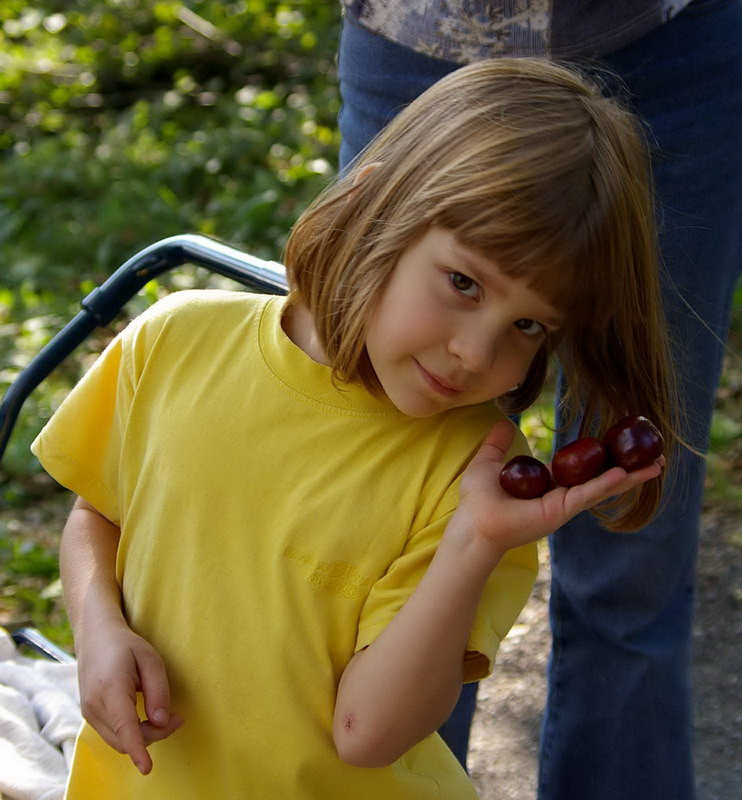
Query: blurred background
point(126, 121)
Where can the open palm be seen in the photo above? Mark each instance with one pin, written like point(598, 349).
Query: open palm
point(511, 522)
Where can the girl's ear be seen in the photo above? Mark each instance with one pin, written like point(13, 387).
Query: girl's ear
point(363, 172)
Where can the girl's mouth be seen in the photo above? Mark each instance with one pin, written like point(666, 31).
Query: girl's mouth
point(435, 384)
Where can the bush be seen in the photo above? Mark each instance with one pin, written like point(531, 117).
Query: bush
point(126, 121)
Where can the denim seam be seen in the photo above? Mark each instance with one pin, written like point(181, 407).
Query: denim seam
point(551, 713)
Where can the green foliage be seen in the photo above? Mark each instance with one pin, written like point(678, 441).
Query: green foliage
point(30, 589)
point(537, 424)
point(725, 430)
point(29, 558)
point(126, 121)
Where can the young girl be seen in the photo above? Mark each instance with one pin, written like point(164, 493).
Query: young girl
point(290, 546)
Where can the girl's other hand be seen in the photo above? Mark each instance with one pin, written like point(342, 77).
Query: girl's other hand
point(114, 664)
point(507, 521)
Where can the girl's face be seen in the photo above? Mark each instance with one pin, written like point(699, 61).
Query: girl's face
point(451, 330)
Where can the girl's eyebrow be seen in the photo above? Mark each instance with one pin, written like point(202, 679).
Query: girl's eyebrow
point(483, 277)
point(487, 279)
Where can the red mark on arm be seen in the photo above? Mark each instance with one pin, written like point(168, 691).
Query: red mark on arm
point(348, 721)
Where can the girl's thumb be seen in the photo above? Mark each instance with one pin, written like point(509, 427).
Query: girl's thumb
point(155, 688)
point(498, 441)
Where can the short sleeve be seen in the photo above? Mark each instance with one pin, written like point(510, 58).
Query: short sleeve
point(503, 598)
point(80, 446)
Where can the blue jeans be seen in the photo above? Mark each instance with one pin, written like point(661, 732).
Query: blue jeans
point(618, 721)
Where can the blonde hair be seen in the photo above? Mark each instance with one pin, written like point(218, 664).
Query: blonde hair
point(529, 165)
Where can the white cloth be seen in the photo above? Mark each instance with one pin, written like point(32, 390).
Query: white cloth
point(39, 721)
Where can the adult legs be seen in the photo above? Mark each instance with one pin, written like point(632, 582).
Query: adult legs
point(618, 717)
point(618, 721)
point(377, 78)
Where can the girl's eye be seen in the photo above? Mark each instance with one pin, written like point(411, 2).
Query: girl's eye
point(463, 284)
point(466, 286)
point(531, 328)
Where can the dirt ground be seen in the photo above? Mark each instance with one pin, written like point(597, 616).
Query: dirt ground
point(504, 740)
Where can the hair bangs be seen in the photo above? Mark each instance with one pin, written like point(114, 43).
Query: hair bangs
point(549, 251)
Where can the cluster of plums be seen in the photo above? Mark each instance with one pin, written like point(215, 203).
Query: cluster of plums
point(632, 443)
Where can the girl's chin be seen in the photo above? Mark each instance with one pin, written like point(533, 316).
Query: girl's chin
point(419, 408)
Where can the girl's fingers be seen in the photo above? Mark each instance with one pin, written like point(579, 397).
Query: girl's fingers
point(586, 495)
point(155, 733)
point(613, 482)
point(140, 757)
point(154, 686)
point(639, 476)
point(150, 733)
point(123, 721)
point(108, 736)
point(497, 442)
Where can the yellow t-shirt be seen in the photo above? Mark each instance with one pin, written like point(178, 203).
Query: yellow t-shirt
point(271, 526)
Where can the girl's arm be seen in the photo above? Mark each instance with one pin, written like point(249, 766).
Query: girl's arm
point(402, 687)
point(113, 662)
point(87, 564)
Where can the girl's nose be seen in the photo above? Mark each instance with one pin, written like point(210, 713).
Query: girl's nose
point(475, 351)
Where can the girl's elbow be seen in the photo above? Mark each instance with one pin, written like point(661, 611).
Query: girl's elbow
point(358, 750)
point(360, 754)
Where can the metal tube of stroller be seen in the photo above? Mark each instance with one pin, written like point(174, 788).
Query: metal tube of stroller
point(107, 300)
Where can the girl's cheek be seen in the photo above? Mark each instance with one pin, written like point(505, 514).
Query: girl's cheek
point(516, 373)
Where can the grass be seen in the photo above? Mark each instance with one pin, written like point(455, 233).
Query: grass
point(30, 589)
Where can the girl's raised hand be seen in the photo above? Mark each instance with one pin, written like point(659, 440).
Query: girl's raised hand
point(507, 521)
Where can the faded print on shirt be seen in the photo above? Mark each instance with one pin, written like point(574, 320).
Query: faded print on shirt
point(464, 31)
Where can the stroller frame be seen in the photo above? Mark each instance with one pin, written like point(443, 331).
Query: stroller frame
point(101, 306)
